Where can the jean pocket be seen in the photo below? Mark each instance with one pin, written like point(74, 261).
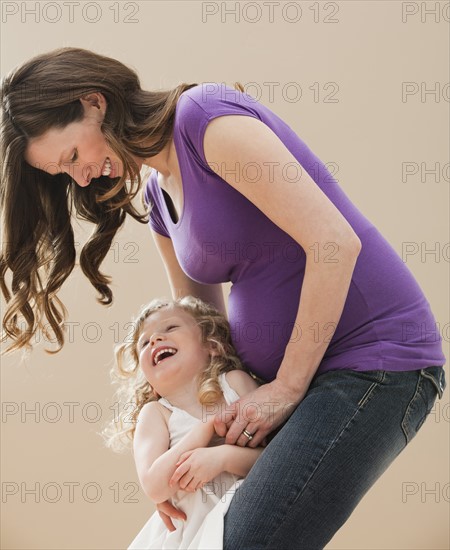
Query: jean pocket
point(430, 384)
point(436, 375)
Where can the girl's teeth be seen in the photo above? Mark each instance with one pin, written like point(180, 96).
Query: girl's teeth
point(107, 169)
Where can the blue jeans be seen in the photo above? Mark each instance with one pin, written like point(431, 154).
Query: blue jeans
point(342, 436)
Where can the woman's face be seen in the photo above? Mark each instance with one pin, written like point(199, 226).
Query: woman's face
point(176, 329)
point(79, 149)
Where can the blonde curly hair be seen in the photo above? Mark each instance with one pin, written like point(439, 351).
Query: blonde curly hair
point(135, 391)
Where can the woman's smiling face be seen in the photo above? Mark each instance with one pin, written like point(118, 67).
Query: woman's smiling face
point(79, 149)
point(174, 328)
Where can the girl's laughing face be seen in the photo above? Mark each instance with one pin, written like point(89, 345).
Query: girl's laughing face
point(187, 355)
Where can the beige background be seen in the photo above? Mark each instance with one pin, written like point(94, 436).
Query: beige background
point(368, 133)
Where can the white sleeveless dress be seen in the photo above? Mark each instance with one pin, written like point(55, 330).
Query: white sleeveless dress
point(205, 508)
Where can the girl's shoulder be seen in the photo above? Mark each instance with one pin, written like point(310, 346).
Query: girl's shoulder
point(156, 405)
point(241, 381)
point(164, 411)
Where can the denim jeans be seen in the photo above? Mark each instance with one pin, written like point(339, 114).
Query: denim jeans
point(342, 436)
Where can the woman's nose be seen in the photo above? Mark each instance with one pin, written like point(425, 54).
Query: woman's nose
point(84, 179)
point(81, 180)
point(82, 183)
point(81, 177)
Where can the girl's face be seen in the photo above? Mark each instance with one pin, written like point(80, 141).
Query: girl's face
point(79, 149)
point(176, 329)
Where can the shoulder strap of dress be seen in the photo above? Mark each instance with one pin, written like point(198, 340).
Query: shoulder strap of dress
point(166, 403)
point(229, 394)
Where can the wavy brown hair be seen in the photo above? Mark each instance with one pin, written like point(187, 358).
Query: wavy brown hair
point(36, 207)
point(135, 391)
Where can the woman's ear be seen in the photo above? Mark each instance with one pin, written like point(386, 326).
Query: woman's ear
point(93, 102)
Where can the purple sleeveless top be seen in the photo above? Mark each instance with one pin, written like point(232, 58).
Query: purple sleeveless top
point(221, 236)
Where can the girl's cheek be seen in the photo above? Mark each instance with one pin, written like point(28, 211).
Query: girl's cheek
point(147, 373)
point(143, 359)
point(145, 362)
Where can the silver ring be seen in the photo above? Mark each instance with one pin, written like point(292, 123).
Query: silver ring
point(250, 437)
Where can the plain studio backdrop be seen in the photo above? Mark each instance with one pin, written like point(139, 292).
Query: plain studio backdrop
point(365, 85)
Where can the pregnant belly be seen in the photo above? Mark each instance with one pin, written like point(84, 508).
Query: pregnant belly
point(262, 321)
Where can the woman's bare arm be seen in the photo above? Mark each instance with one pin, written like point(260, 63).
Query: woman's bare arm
point(302, 210)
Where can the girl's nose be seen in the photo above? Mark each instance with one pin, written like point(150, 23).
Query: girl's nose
point(155, 338)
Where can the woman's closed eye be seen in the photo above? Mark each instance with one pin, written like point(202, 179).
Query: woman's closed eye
point(75, 156)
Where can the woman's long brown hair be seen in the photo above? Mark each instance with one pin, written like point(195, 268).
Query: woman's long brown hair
point(36, 207)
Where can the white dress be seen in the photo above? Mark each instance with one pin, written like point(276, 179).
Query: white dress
point(205, 508)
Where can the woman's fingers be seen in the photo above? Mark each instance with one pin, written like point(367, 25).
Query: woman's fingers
point(243, 439)
point(220, 426)
point(231, 422)
point(260, 412)
point(224, 419)
point(234, 433)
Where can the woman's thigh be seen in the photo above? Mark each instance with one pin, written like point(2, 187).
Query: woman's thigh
point(343, 435)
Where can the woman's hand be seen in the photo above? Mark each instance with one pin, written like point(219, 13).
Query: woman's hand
point(197, 467)
point(167, 510)
point(259, 412)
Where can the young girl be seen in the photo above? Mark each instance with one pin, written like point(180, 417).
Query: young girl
point(181, 369)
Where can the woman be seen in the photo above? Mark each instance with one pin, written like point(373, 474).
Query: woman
point(322, 308)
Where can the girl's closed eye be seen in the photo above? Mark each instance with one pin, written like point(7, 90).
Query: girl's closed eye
point(144, 344)
point(75, 156)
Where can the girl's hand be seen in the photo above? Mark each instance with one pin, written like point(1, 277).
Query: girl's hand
point(167, 510)
point(197, 467)
point(259, 412)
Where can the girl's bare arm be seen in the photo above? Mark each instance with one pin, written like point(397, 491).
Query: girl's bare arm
point(203, 464)
point(156, 462)
point(157, 468)
point(239, 460)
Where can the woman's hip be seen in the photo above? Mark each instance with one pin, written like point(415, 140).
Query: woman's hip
point(403, 398)
point(340, 438)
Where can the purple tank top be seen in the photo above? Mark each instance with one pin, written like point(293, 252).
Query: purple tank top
point(221, 236)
